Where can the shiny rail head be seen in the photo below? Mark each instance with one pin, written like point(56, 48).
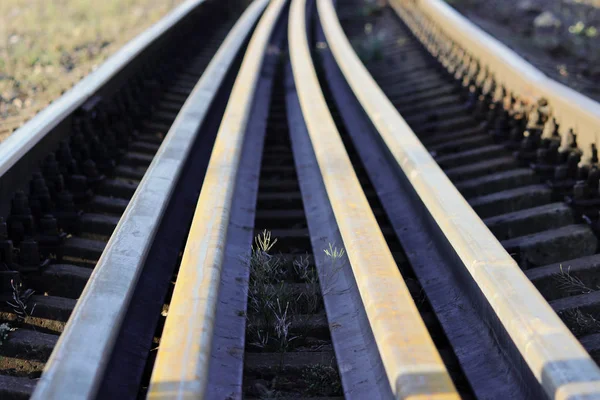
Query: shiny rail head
point(441, 26)
point(77, 364)
point(182, 362)
point(412, 363)
point(555, 357)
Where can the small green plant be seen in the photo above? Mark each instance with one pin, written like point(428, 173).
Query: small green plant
point(337, 263)
point(269, 298)
point(269, 322)
point(579, 29)
point(570, 283)
point(263, 242)
point(581, 323)
point(19, 301)
point(271, 301)
point(308, 275)
point(282, 325)
point(263, 266)
point(261, 337)
point(334, 252)
point(265, 272)
point(302, 268)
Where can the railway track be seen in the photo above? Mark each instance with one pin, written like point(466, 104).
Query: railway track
point(60, 228)
point(510, 166)
point(231, 207)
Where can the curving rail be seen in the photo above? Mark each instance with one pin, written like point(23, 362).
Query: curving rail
point(412, 363)
point(181, 368)
point(311, 147)
point(558, 361)
point(75, 369)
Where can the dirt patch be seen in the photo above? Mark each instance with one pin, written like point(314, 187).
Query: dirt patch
point(48, 46)
point(560, 37)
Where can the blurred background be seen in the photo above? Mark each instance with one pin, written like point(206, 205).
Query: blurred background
point(560, 37)
point(46, 46)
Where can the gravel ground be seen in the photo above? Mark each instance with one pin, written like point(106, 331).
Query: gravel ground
point(47, 46)
point(560, 37)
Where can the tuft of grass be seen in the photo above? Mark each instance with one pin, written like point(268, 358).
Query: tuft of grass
point(581, 323)
point(268, 296)
point(271, 301)
point(302, 268)
point(337, 263)
point(19, 301)
point(334, 253)
point(261, 337)
point(47, 46)
point(266, 271)
point(274, 313)
point(570, 283)
point(308, 275)
point(282, 325)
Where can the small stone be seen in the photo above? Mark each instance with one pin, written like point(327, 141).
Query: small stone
point(546, 20)
point(545, 32)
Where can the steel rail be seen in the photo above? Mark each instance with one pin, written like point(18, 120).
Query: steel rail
point(571, 109)
point(352, 339)
point(558, 361)
point(77, 364)
point(181, 368)
point(412, 363)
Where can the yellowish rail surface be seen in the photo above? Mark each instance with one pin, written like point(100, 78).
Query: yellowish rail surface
point(78, 363)
point(558, 361)
point(181, 368)
point(412, 363)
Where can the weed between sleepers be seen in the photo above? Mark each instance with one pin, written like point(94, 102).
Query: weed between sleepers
point(281, 315)
point(581, 323)
point(571, 284)
point(274, 304)
point(19, 306)
point(19, 301)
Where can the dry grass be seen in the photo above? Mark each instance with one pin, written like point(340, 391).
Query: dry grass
point(570, 283)
point(47, 46)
